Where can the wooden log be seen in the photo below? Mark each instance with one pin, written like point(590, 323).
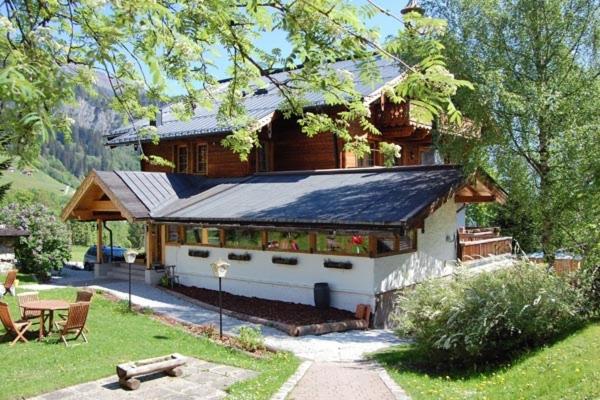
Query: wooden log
point(143, 367)
point(130, 384)
point(175, 372)
point(320, 329)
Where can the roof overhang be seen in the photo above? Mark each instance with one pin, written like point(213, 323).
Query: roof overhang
point(95, 200)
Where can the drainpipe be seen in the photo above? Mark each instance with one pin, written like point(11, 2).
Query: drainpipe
point(110, 239)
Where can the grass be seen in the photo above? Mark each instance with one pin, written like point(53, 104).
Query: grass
point(117, 336)
point(37, 180)
point(569, 369)
point(77, 252)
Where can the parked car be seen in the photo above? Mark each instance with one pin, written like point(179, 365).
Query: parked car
point(118, 254)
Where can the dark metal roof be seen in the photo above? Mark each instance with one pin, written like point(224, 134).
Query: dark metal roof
point(259, 106)
point(9, 231)
point(378, 198)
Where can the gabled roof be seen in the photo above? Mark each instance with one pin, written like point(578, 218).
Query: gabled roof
point(260, 106)
point(369, 198)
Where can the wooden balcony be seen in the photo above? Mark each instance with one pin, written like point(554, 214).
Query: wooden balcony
point(478, 243)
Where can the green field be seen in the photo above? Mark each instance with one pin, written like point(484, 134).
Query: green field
point(569, 369)
point(37, 180)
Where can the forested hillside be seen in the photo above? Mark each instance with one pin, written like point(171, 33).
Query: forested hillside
point(70, 160)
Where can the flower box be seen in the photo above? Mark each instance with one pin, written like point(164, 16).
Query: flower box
point(239, 257)
point(198, 253)
point(284, 260)
point(337, 264)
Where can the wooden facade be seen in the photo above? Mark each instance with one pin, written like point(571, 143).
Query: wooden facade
point(284, 147)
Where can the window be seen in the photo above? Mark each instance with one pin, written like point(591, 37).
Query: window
point(430, 156)
point(203, 236)
point(182, 159)
point(262, 158)
point(202, 159)
point(357, 245)
point(393, 244)
point(368, 160)
point(193, 235)
point(243, 239)
point(173, 233)
point(288, 241)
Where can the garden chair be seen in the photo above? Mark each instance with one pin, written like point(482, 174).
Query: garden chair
point(14, 328)
point(9, 283)
point(75, 322)
point(83, 296)
point(26, 297)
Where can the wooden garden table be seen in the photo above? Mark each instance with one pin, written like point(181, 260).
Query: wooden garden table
point(46, 306)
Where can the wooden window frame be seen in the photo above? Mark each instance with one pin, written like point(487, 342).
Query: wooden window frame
point(177, 159)
point(197, 159)
point(311, 243)
point(397, 250)
point(168, 240)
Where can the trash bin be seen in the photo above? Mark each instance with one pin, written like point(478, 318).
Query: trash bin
point(322, 297)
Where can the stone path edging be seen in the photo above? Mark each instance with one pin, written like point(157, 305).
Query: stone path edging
point(391, 384)
point(292, 381)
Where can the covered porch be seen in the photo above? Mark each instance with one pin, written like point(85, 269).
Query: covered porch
point(101, 199)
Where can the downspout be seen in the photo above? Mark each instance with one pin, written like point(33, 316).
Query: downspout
point(110, 239)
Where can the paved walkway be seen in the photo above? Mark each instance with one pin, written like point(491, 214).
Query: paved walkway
point(200, 380)
point(327, 381)
point(333, 347)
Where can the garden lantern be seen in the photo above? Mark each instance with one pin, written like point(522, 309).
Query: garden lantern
point(220, 270)
point(130, 259)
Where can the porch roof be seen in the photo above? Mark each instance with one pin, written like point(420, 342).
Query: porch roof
point(370, 198)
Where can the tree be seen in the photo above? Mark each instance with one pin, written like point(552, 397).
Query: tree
point(536, 70)
point(47, 247)
point(48, 49)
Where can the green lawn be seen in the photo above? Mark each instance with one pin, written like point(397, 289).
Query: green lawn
point(117, 336)
point(37, 180)
point(77, 252)
point(569, 369)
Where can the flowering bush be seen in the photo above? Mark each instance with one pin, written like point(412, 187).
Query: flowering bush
point(47, 247)
point(485, 317)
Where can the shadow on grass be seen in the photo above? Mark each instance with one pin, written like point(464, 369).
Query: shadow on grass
point(410, 358)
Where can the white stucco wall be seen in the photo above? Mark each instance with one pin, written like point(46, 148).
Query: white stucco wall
point(259, 277)
point(435, 255)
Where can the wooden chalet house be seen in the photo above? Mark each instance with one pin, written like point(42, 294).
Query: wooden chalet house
point(300, 210)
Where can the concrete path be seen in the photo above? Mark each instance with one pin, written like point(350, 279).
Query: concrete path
point(327, 381)
point(333, 347)
point(200, 380)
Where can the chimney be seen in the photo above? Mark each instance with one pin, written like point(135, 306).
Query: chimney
point(412, 6)
point(157, 120)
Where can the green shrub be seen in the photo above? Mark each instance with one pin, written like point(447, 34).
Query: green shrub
point(480, 318)
point(589, 283)
point(47, 247)
point(251, 339)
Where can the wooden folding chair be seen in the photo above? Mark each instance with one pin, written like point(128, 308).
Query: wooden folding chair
point(22, 299)
point(9, 283)
point(15, 328)
point(75, 322)
point(82, 296)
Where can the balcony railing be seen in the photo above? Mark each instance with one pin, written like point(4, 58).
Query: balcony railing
point(478, 243)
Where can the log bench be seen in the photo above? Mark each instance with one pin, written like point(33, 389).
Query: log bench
point(170, 365)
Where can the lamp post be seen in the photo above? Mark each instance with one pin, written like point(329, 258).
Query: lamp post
point(220, 270)
point(130, 259)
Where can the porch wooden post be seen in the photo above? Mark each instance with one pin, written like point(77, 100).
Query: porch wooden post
point(163, 240)
point(99, 252)
point(149, 246)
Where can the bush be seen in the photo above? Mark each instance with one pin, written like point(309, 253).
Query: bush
point(490, 316)
point(251, 339)
point(589, 283)
point(48, 245)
